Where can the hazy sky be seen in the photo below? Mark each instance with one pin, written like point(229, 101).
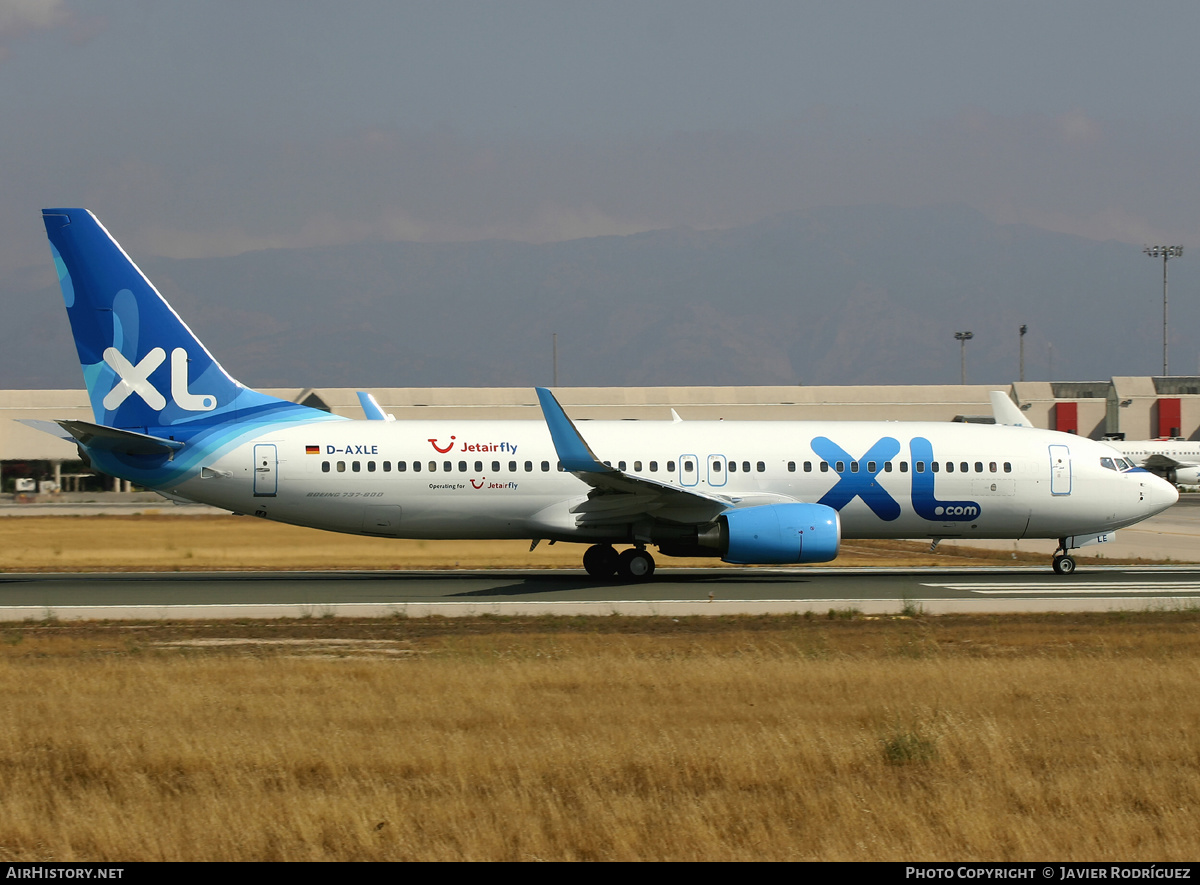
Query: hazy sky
point(215, 128)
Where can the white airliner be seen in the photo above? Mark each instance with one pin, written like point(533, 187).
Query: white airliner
point(1176, 460)
point(168, 417)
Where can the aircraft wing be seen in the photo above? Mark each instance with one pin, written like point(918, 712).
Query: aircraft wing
point(1159, 461)
point(617, 496)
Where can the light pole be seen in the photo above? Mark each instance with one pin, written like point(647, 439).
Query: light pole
point(1165, 253)
point(963, 338)
point(1023, 330)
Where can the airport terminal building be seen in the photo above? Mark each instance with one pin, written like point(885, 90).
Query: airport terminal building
point(1141, 407)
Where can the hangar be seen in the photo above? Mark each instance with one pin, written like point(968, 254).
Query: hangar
point(1135, 407)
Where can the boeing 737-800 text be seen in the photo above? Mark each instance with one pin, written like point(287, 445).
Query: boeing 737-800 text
point(168, 417)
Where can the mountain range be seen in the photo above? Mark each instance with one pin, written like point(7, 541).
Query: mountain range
point(858, 295)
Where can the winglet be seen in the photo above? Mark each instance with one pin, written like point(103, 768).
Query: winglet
point(1005, 410)
point(372, 409)
point(573, 451)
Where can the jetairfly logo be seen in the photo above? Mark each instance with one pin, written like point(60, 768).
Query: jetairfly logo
point(862, 483)
point(136, 379)
point(510, 448)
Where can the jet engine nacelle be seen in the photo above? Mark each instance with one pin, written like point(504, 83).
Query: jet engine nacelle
point(1185, 476)
point(776, 533)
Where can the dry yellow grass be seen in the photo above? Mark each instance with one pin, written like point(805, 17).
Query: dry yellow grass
point(157, 542)
point(1067, 738)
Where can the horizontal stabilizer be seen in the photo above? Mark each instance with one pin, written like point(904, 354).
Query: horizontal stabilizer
point(126, 442)
point(50, 427)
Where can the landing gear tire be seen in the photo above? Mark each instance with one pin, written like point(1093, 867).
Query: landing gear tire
point(1063, 565)
point(600, 561)
point(635, 565)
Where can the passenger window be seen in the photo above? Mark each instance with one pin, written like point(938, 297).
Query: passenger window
point(991, 467)
point(387, 466)
point(824, 466)
point(462, 466)
point(808, 466)
point(733, 466)
point(904, 467)
point(933, 465)
point(637, 466)
point(341, 467)
point(479, 467)
point(560, 467)
point(949, 466)
point(621, 466)
point(402, 466)
point(979, 467)
point(716, 466)
point(496, 467)
point(745, 467)
point(854, 467)
point(370, 467)
point(416, 466)
point(871, 467)
point(324, 466)
point(356, 467)
point(433, 466)
point(529, 467)
point(687, 466)
point(447, 466)
point(920, 466)
point(887, 466)
point(545, 467)
point(512, 466)
point(791, 466)
point(1008, 467)
point(670, 467)
point(964, 467)
point(761, 467)
point(654, 467)
point(840, 467)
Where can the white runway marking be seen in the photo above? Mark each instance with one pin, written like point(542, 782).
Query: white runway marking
point(1058, 587)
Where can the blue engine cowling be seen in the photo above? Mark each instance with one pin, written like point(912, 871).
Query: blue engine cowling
point(779, 533)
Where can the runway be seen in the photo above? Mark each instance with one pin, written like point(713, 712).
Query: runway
point(672, 592)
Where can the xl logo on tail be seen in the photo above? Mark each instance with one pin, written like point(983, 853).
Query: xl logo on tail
point(136, 379)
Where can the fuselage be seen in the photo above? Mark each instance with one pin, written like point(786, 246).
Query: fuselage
point(501, 479)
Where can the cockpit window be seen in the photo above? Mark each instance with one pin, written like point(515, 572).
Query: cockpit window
point(1108, 462)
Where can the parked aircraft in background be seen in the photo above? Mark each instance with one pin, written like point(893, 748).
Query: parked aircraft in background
point(168, 417)
point(1176, 460)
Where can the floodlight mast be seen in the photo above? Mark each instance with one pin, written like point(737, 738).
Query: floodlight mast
point(963, 338)
point(1165, 253)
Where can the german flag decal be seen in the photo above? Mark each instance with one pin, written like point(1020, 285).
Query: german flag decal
point(312, 450)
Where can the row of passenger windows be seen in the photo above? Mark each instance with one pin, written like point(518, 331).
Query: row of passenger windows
point(918, 466)
point(431, 466)
point(688, 466)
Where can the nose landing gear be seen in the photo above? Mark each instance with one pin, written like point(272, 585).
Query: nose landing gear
point(1063, 563)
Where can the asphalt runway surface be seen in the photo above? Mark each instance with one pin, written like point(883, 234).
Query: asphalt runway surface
point(671, 592)
point(1173, 536)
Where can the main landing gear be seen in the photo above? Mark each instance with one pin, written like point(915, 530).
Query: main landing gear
point(1063, 563)
point(634, 564)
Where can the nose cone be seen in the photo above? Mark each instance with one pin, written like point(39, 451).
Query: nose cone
point(1159, 494)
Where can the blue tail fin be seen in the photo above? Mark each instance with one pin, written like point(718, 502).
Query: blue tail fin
point(142, 365)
